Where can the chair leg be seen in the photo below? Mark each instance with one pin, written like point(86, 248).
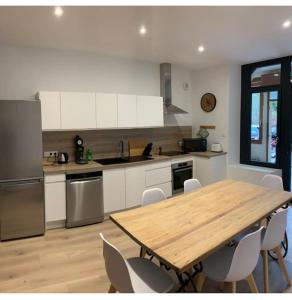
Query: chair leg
point(199, 281)
point(252, 284)
point(221, 286)
point(142, 252)
point(231, 286)
point(282, 264)
point(111, 289)
point(266, 270)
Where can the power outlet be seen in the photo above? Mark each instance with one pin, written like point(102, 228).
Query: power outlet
point(50, 154)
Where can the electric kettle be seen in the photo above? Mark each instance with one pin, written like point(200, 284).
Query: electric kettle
point(63, 158)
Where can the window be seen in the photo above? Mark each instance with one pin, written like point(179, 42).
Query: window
point(261, 90)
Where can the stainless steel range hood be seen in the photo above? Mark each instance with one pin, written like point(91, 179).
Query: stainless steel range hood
point(165, 90)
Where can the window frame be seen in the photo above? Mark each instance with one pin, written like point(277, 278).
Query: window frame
point(246, 92)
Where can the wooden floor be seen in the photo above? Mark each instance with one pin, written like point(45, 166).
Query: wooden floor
point(70, 260)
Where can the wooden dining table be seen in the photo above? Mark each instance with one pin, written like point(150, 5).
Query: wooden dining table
point(183, 230)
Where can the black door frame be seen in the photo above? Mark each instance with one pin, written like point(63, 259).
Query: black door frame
point(284, 116)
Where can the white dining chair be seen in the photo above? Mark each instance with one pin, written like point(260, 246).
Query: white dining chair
point(134, 275)
point(273, 182)
point(152, 196)
point(273, 235)
point(232, 264)
point(191, 185)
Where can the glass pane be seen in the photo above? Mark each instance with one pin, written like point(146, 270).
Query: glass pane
point(264, 76)
point(256, 117)
point(264, 133)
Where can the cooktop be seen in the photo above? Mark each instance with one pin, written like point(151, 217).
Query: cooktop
point(173, 153)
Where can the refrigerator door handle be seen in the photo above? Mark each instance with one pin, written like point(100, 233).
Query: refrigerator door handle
point(20, 183)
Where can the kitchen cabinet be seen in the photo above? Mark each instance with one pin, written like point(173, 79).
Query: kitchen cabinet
point(78, 110)
point(210, 170)
point(127, 111)
point(74, 110)
point(135, 185)
point(106, 110)
point(114, 190)
point(55, 198)
point(150, 111)
point(158, 175)
point(51, 110)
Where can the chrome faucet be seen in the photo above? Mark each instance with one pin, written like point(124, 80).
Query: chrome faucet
point(124, 152)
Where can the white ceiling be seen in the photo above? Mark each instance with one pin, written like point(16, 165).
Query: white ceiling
point(229, 34)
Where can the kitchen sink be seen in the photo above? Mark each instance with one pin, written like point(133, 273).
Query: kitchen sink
point(121, 160)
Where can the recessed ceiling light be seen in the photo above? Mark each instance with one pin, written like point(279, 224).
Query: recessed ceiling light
point(286, 24)
point(276, 74)
point(143, 30)
point(201, 48)
point(58, 11)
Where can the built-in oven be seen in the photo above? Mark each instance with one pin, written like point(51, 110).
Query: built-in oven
point(180, 172)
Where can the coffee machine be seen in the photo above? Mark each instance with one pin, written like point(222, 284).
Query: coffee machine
point(79, 151)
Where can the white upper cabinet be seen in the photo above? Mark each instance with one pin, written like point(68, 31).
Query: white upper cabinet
point(127, 111)
point(78, 110)
point(106, 110)
point(51, 113)
point(73, 110)
point(150, 111)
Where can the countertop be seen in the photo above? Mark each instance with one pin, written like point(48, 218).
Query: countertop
point(92, 166)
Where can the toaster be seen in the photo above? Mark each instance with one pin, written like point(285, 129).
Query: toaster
point(216, 147)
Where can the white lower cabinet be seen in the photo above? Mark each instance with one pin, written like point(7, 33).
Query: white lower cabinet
point(135, 185)
point(166, 187)
point(210, 170)
point(114, 190)
point(55, 198)
point(159, 176)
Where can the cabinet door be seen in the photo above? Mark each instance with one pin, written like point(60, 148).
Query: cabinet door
point(78, 110)
point(106, 110)
point(51, 110)
point(127, 111)
point(210, 170)
point(135, 186)
point(150, 111)
point(114, 190)
point(55, 200)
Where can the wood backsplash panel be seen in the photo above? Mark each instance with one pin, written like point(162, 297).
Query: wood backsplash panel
point(105, 143)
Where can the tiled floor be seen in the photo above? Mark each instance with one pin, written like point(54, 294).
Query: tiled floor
point(70, 260)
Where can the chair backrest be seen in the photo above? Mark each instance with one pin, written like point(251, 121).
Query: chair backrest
point(191, 185)
point(116, 267)
point(275, 231)
point(245, 257)
point(272, 182)
point(152, 196)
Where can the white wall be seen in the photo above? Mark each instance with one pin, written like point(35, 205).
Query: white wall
point(24, 71)
point(224, 83)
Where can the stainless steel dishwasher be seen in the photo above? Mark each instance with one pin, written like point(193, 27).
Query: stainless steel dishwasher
point(84, 199)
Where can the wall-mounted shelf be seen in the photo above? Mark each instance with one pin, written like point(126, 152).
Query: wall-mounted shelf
point(208, 126)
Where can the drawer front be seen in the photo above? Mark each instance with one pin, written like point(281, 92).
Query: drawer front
point(157, 176)
point(55, 178)
point(166, 187)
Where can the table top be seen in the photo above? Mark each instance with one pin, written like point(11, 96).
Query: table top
point(185, 229)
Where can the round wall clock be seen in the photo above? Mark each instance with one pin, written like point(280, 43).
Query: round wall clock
point(208, 102)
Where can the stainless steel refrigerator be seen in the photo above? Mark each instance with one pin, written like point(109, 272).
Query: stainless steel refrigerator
point(22, 207)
